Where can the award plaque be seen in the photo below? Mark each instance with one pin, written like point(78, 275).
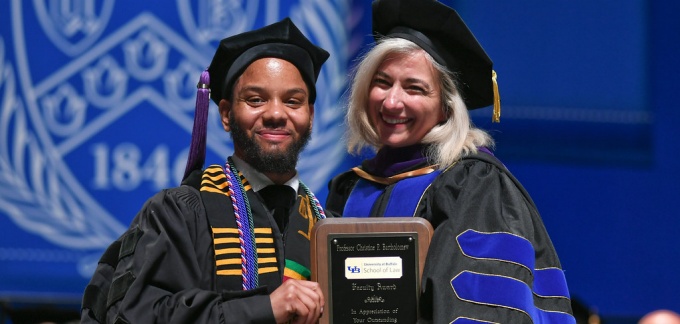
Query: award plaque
point(369, 269)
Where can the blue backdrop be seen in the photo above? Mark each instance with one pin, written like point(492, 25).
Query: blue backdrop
point(96, 109)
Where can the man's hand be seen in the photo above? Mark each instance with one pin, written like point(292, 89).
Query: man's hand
point(298, 301)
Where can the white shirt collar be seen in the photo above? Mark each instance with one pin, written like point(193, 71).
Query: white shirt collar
point(257, 179)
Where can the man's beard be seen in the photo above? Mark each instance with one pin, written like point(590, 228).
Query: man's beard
point(277, 162)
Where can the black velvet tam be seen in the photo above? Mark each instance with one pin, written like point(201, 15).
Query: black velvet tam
point(280, 40)
point(440, 31)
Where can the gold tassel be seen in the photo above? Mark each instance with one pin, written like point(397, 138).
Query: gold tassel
point(496, 99)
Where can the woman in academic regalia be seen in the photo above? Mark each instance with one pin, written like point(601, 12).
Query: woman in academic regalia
point(490, 259)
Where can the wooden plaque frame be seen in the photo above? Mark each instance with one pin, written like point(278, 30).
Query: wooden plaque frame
point(358, 228)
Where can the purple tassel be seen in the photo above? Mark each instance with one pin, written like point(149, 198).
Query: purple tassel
point(198, 134)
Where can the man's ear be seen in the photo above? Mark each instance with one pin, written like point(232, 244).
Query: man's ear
point(311, 116)
point(225, 108)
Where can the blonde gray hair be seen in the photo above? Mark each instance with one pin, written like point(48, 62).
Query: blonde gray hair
point(450, 140)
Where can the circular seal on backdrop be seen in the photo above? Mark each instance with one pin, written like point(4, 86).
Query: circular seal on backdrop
point(73, 26)
point(101, 124)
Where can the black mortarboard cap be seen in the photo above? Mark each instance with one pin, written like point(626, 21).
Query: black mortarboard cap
point(439, 30)
point(281, 40)
point(234, 54)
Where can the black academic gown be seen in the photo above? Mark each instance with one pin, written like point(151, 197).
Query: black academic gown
point(490, 259)
point(171, 266)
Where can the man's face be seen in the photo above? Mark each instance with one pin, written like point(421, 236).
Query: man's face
point(270, 118)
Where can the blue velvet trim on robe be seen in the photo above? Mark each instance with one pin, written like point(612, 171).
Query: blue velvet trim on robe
point(505, 292)
point(550, 282)
point(362, 198)
point(497, 246)
point(403, 199)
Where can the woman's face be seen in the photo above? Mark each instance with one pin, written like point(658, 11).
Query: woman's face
point(404, 99)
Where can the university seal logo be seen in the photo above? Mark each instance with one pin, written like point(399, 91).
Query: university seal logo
point(96, 110)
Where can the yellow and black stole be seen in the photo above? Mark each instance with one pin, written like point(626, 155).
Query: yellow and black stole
point(245, 241)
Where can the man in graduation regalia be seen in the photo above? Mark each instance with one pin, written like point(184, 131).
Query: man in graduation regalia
point(231, 245)
point(490, 259)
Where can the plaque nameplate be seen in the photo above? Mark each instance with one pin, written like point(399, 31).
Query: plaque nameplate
point(369, 269)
